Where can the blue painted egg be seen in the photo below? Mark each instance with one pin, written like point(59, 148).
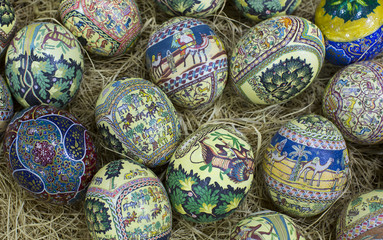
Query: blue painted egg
point(7, 24)
point(50, 154)
point(6, 106)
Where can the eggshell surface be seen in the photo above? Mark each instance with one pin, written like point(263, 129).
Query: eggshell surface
point(6, 106)
point(191, 8)
point(306, 166)
point(7, 24)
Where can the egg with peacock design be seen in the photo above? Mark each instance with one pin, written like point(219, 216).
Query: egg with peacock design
point(44, 65)
point(266, 225)
point(6, 106)
point(50, 154)
point(188, 61)
point(103, 27)
point(306, 166)
point(210, 173)
point(136, 119)
point(126, 200)
point(352, 29)
point(7, 24)
point(277, 59)
point(190, 8)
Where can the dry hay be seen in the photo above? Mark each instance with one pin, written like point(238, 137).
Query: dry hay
point(25, 218)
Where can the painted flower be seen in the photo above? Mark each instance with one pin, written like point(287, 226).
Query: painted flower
point(43, 153)
point(187, 184)
point(233, 204)
point(207, 208)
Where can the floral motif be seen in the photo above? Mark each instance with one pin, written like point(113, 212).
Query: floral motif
point(43, 153)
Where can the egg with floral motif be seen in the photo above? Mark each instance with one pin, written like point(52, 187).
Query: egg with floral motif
point(210, 174)
point(306, 166)
point(7, 24)
point(50, 154)
point(6, 106)
point(190, 8)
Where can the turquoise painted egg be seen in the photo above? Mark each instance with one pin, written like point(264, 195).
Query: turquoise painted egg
point(259, 10)
point(188, 61)
point(210, 174)
point(136, 119)
point(44, 65)
point(353, 100)
point(6, 106)
point(103, 27)
point(277, 59)
point(50, 154)
point(306, 166)
point(266, 225)
point(190, 8)
point(353, 29)
point(362, 218)
point(126, 200)
point(7, 24)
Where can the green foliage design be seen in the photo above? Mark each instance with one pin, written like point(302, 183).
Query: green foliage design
point(7, 13)
point(182, 6)
point(113, 169)
point(97, 216)
point(258, 6)
point(350, 10)
point(110, 140)
point(230, 202)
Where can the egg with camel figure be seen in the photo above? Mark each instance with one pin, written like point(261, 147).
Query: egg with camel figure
point(306, 166)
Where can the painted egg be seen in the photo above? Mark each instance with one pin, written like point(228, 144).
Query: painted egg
point(191, 8)
point(126, 200)
point(103, 27)
point(50, 154)
point(352, 29)
point(259, 10)
point(7, 24)
point(353, 100)
point(44, 65)
point(136, 119)
point(306, 166)
point(210, 174)
point(6, 106)
point(362, 218)
point(266, 225)
point(188, 62)
point(277, 59)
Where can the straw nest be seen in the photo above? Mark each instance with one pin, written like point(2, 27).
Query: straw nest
point(23, 217)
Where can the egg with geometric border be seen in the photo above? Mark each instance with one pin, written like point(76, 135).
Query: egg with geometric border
point(7, 24)
point(353, 100)
point(353, 29)
point(6, 106)
point(210, 174)
point(126, 200)
point(306, 166)
point(362, 218)
point(259, 10)
point(136, 119)
point(103, 27)
point(266, 225)
point(50, 154)
point(188, 61)
point(44, 65)
point(190, 8)
point(277, 59)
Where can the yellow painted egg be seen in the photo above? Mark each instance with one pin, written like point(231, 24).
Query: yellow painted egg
point(188, 61)
point(353, 29)
point(353, 100)
point(126, 200)
point(266, 225)
point(191, 8)
point(7, 24)
point(277, 59)
point(103, 27)
point(259, 10)
point(362, 218)
point(136, 119)
point(210, 174)
point(306, 166)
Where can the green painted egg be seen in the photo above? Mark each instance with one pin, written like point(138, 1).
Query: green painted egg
point(136, 119)
point(190, 8)
point(210, 174)
point(7, 24)
point(126, 200)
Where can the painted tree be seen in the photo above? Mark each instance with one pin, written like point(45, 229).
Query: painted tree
point(97, 214)
point(7, 14)
point(113, 170)
point(299, 152)
point(350, 10)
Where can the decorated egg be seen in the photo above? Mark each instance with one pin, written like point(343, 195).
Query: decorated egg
point(277, 59)
point(44, 65)
point(136, 119)
point(188, 62)
point(266, 225)
point(352, 29)
point(191, 8)
point(103, 27)
point(306, 166)
point(362, 218)
point(6, 106)
point(126, 200)
point(210, 174)
point(7, 24)
point(259, 10)
point(353, 100)
point(50, 154)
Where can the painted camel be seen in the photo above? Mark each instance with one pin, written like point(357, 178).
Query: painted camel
point(316, 167)
point(275, 154)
